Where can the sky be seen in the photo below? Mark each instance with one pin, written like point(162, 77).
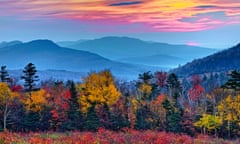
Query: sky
point(206, 23)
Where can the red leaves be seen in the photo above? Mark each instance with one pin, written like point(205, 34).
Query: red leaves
point(197, 90)
point(16, 88)
point(161, 78)
point(104, 136)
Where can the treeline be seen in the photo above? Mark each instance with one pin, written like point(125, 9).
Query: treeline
point(156, 101)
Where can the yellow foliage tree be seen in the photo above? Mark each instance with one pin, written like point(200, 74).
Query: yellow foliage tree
point(229, 110)
point(98, 88)
point(36, 101)
point(6, 97)
point(209, 122)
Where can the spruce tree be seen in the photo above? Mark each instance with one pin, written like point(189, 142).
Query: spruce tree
point(30, 77)
point(174, 86)
point(233, 82)
point(92, 120)
point(172, 106)
point(74, 113)
point(4, 74)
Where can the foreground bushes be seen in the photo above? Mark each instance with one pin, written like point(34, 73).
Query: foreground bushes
point(103, 136)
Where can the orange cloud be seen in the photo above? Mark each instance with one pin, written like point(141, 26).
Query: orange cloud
point(157, 15)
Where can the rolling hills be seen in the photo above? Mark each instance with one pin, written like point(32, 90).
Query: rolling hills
point(130, 50)
point(47, 55)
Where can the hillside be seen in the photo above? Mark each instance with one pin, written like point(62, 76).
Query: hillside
point(47, 55)
point(116, 48)
point(225, 60)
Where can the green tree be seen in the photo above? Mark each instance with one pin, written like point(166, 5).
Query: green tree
point(92, 121)
point(174, 111)
point(4, 74)
point(173, 86)
point(74, 114)
point(30, 77)
point(173, 116)
point(233, 82)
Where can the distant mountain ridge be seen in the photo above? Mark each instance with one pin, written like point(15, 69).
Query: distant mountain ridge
point(11, 43)
point(126, 48)
point(45, 54)
point(155, 60)
point(223, 61)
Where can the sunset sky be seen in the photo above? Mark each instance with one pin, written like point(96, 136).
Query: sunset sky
point(208, 23)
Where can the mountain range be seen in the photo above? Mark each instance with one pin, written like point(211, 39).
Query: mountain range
point(47, 55)
point(60, 61)
point(136, 51)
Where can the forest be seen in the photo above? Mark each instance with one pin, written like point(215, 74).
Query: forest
point(155, 104)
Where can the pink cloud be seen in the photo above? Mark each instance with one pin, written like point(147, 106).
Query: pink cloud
point(155, 15)
point(192, 43)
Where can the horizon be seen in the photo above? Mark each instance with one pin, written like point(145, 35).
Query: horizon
point(210, 24)
point(192, 44)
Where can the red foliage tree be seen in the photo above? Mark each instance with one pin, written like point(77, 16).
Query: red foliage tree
point(196, 91)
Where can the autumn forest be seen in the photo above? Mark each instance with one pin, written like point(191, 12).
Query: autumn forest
point(159, 101)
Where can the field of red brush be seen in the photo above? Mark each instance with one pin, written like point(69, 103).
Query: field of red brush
point(103, 136)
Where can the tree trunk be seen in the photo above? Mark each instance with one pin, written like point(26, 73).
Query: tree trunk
point(5, 114)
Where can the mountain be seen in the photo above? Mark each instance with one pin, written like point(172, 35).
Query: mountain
point(47, 55)
point(155, 60)
point(69, 43)
point(6, 44)
point(223, 61)
point(116, 48)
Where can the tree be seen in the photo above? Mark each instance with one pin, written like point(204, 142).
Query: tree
point(4, 74)
point(6, 98)
point(74, 113)
point(36, 101)
point(173, 115)
point(172, 106)
point(30, 77)
point(174, 86)
point(99, 89)
point(228, 110)
point(209, 122)
point(233, 82)
point(160, 80)
point(92, 120)
point(58, 101)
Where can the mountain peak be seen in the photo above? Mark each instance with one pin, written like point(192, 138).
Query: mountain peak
point(44, 43)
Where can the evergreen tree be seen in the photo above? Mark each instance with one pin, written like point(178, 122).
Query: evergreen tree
point(4, 74)
point(172, 106)
point(30, 77)
point(174, 86)
point(74, 113)
point(92, 121)
point(233, 82)
point(173, 116)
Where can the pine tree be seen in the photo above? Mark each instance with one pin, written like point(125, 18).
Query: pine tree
point(74, 113)
point(4, 74)
point(173, 116)
point(174, 86)
point(30, 77)
point(92, 120)
point(172, 106)
point(233, 82)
